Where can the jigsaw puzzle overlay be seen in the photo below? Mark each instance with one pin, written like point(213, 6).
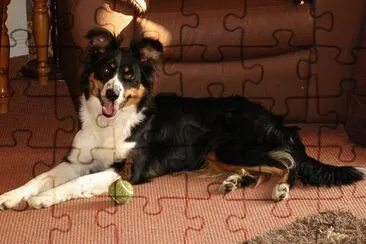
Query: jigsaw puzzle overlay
point(297, 58)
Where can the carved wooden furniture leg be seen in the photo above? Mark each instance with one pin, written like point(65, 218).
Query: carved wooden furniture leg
point(30, 68)
point(4, 59)
point(40, 32)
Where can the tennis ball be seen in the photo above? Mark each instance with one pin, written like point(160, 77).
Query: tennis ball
point(121, 191)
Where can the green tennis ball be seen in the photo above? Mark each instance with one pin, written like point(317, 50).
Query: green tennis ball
point(121, 191)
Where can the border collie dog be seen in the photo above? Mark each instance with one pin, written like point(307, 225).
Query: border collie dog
point(127, 131)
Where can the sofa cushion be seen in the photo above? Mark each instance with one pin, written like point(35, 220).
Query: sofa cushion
point(227, 30)
point(278, 82)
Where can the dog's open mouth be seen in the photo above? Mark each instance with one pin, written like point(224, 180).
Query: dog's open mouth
point(110, 109)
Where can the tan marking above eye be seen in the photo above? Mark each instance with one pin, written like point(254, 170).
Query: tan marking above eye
point(95, 86)
point(113, 65)
point(126, 69)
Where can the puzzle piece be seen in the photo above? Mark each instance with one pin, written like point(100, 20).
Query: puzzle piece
point(79, 221)
point(279, 33)
point(340, 39)
point(42, 136)
point(334, 141)
point(293, 106)
point(30, 158)
point(224, 44)
point(159, 191)
point(337, 54)
point(19, 227)
point(272, 216)
point(209, 75)
point(223, 212)
point(177, 227)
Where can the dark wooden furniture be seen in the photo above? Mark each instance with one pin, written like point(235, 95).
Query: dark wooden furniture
point(40, 32)
point(4, 58)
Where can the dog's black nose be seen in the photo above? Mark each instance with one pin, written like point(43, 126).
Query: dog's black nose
point(111, 95)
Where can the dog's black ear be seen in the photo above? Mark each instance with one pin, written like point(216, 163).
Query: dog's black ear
point(148, 50)
point(100, 39)
point(150, 54)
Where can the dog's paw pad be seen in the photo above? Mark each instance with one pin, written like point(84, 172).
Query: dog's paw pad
point(40, 202)
point(8, 201)
point(232, 183)
point(281, 192)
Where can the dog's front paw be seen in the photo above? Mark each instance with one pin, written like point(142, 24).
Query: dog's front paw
point(10, 199)
point(41, 201)
point(280, 192)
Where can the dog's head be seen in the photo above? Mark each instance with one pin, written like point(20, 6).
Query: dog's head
point(119, 77)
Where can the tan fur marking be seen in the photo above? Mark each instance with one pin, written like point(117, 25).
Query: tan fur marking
point(213, 163)
point(263, 178)
point(95, 86)
point(135, 95)
point(100, 42)
point(284, 178)
point(126, 171)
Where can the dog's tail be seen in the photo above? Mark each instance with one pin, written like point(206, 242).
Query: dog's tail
point(313, 172)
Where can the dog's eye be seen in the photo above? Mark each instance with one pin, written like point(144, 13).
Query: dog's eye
point(129, 77)
point(106, 70)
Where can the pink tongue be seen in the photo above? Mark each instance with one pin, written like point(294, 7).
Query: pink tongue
point(110, 109)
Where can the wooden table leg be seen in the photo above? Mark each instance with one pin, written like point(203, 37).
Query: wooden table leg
point(40, 32)
point(4, 60)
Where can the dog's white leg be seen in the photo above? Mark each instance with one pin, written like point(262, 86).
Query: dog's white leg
point(60, 174)
point(82, 187)
point(81, 162)
point(281, 192)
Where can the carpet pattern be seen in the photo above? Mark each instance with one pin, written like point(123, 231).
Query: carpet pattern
point(323, 228)
point(179, 208)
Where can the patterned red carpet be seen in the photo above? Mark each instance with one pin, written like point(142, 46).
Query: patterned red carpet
point(179, 208)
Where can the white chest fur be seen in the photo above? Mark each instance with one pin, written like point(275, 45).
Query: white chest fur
point(102, 139)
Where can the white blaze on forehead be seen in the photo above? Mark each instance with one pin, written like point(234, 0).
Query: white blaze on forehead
point(111, 108)
point(116, 85)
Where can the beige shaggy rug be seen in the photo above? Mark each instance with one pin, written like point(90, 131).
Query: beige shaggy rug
point(325, 227)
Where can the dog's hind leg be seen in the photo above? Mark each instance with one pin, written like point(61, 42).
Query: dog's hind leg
point(241, 179)
point(254, 174)
point(281, 190)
